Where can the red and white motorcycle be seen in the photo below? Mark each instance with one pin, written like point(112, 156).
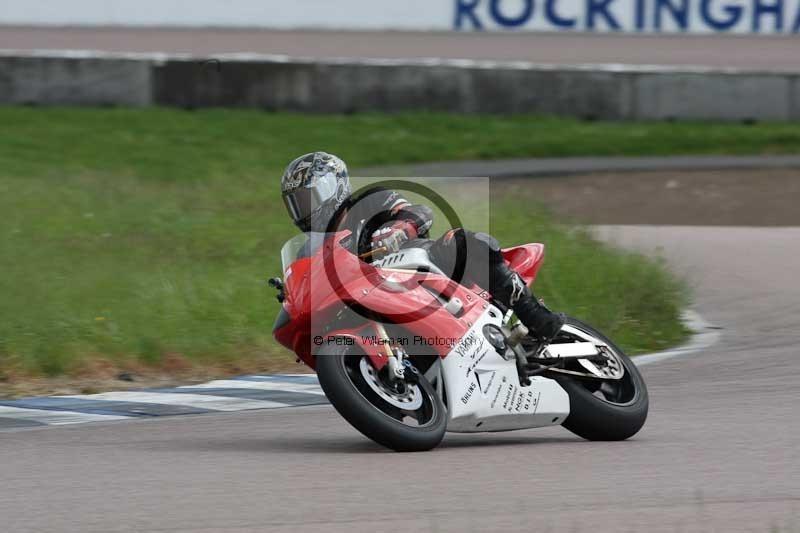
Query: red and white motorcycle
point(404, 353)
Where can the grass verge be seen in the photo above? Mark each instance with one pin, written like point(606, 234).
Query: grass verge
point(140, 239)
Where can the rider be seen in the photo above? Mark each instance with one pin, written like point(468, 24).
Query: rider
point(316, 191)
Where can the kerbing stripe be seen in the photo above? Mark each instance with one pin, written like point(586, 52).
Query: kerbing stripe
point(103, 407)
point(291, 398)
point(200, 401)
point(259, 385)
point(307, 379)
point(54, 418)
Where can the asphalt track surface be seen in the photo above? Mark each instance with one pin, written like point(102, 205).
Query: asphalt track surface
point(742, 52)
point(718, 453)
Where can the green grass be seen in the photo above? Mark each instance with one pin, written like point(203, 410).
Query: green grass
point(173, 145)
point(139, 236)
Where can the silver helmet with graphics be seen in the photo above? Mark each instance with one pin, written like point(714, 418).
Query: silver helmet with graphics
point(313, 187)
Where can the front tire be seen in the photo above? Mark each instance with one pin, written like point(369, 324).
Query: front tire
point(615, 413)
point(374, 413)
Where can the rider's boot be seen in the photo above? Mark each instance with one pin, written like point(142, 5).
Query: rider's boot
point(542, 323)
point(510, 289)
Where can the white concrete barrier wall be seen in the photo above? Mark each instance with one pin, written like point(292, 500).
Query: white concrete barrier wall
point(339, 86)
point(766, 17)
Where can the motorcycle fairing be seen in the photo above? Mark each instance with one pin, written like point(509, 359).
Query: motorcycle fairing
point(309, 287)
point(401, 296)
point(484, 392)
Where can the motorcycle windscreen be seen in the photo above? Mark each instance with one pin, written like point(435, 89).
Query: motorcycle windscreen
point(299, 246)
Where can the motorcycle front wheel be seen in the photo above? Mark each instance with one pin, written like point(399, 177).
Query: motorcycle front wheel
point(402, 416)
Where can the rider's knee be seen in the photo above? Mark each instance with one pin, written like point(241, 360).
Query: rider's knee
point(488, 241)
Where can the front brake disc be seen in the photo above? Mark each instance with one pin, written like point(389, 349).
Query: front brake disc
point(410, 399)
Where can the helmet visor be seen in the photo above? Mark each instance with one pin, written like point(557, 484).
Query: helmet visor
point(304, 201)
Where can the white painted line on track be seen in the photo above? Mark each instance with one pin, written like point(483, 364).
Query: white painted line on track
point(199, 401)
point(304, 388)
point(55, 418)
point(705, 336)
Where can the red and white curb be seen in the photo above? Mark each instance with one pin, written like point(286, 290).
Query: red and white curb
point(238, 394)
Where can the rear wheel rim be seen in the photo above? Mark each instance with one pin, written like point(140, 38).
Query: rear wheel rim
point(620, 392)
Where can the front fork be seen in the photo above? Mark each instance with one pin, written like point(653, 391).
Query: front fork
point(395, 355)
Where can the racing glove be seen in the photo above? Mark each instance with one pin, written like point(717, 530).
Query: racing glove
point(390, 238)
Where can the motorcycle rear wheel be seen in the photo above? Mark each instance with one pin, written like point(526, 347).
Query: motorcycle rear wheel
point(605, 410)
point(355, 392)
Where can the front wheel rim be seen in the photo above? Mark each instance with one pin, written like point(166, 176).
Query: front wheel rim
point(405, 396)
point(422, 416)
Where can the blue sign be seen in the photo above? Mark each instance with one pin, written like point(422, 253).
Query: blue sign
point(637, 16)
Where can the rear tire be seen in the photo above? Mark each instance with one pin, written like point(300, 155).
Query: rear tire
point(368, 412)
point(595, 418)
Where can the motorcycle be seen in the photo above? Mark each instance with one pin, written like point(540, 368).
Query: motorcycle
point(404, 353)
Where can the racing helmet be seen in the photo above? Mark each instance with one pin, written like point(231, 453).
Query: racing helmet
point(313, 187)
